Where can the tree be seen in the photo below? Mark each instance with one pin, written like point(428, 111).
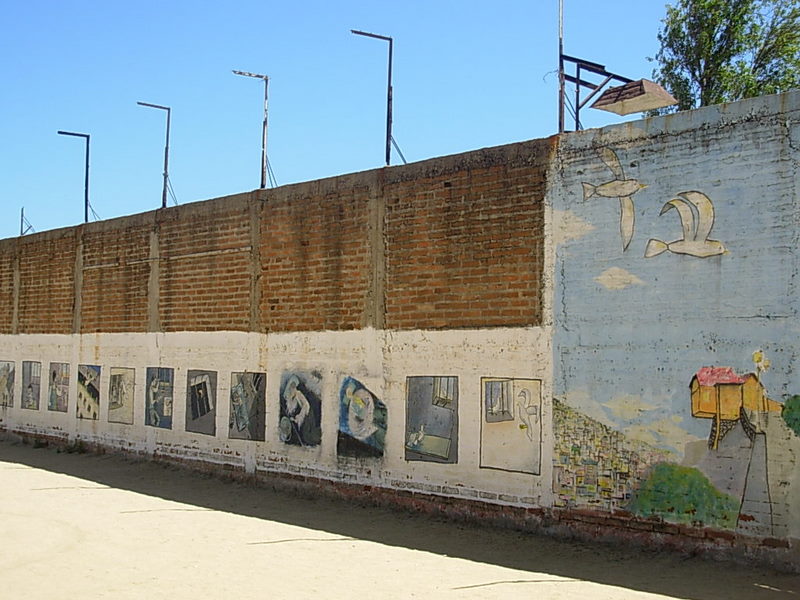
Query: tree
point(716, 51)
point(791, 413)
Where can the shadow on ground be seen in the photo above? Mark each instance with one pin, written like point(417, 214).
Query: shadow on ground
point(660, 573)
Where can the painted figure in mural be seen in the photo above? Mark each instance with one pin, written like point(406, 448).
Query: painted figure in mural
point(247, 406)
point(696, 212)
point(299, 423)
point(362, 421)
point(152, 399)
point(528, 412)
point(620, 188)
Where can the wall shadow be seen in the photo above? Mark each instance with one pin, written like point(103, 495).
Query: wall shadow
point(636, 569)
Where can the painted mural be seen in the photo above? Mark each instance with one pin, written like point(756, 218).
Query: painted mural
point(511, 427)
point(248, 406)
point(31, 384)
point(362, 421)
point(88, 405)
point(159, 384)
point(58, 392)
point(300, 408)
point(6, 383)
point(674, 362)
point(120, 395)
point(432, 419)
point(201, 402)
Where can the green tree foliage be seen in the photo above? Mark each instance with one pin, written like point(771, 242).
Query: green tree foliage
point(683, 495)
point(716, 51)
point(791, 413)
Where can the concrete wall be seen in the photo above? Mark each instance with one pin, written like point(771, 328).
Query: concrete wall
point(509, 334)
point(696, 270)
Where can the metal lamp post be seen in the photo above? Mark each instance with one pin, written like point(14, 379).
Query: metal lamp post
point(264, 127)
point(388, 91)
point(86, 173)
point(166, 150)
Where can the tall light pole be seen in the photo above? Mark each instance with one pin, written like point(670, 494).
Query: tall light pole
point(86, 173)
point(264, 128)
point(388, 91)
point(166, 151)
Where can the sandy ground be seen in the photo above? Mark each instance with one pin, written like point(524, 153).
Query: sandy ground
point(89, 526)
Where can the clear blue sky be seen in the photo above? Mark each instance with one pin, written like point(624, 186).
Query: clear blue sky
point(467, 75)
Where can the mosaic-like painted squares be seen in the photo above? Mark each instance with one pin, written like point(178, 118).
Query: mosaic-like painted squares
point(248, 401)
point(201, 402)
point(58, 394)
point(6, 383)
point(158, 397)
point(88, 406)
point(120, 395)
point(432, 419)
point(300, 408)
point(31, 384)
point(362, 421)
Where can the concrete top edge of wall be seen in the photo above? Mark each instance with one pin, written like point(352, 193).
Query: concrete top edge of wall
point(718, 115)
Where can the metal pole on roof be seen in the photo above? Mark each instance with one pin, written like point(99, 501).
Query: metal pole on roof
point(85, 173)
point(388, 91)
point(264, 127)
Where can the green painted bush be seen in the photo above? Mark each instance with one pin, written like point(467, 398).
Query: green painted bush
point(791, 413)
point(683, 495)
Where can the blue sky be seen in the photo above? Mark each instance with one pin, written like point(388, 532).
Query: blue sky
point(467, 75)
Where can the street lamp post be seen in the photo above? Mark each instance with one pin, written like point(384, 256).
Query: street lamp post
point(388, 91)
point(166, 151)
point(264, 128)
point(86, 173)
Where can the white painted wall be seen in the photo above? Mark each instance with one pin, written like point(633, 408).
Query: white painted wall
point(380, 360)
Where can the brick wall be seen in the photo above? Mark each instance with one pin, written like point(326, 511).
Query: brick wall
point(47, 285)
point(465, 244)
point(7, 260)
point(315, 260)
point(447, 243)
point(114, 286)
point(204, 272)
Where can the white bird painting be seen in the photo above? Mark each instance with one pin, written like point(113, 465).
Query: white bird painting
point(620, 188)
point(696, 212)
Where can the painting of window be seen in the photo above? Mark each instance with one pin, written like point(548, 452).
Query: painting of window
point(88, 406)
point(31, 384)
point(158, 397)
point(444, 391)
point(59, 387)
point(201, 402)
point(432, 419)
point(498, 403)
point(6, 383)
point(120, 395)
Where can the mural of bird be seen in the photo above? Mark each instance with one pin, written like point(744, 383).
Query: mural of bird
point(620, 188)
point(696, 212)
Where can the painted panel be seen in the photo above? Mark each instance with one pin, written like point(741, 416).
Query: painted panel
point(675, 335)
point(120, 395)
point(7, 371)
point(201, 402)
point(432, 419)
point(248, 406)
point(31, 384)
point(300, 408)
point(362, 421)
point(58, 395)
point(88, 405)
point(511, 427)
point(159, 386)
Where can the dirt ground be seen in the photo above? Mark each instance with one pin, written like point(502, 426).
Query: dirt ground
point(107, 526)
